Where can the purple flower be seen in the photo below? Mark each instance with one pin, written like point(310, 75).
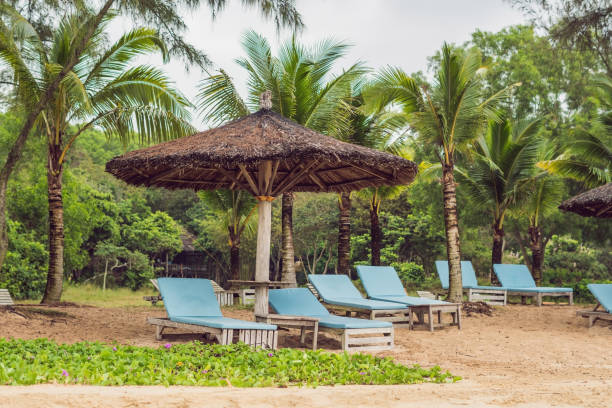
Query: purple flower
point(167, 345)
point(204, 371)
point(65, 373)
point(270, 354)
point(89, 357)
point(362, 373)
point(114, 348)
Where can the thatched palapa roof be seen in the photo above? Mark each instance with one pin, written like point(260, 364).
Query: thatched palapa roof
point(596, 202)
point(229, 157)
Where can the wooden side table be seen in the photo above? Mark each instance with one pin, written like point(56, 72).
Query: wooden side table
point(287, 321)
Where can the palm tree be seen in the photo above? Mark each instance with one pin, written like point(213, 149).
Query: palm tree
point(448, 114)
point(303, 89)
point(20, 34)
point(132, 103)
point(543, 194)
point(235, 210)
point(503, 159)
point(588, 157)
point(367, 122)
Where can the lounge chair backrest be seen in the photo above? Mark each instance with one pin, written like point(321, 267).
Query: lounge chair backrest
point(334, 286)
point(380, 281)
point(188, 297)
point(603, 293)
point(514, 276)
point(297, 302)
point(468, 275)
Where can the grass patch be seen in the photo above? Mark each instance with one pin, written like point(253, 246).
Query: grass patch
point(24, 362)
point(94, 296)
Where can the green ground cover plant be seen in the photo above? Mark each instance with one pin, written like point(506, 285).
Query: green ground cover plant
point(24, 362)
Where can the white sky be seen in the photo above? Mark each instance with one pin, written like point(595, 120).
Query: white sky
point(383, 32)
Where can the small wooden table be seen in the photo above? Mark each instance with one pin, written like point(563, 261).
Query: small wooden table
point(261, 291)
point(287, 321)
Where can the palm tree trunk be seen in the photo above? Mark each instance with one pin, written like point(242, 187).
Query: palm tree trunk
point(344, 234)
point(375, 233)
point(55, 274)
point(537, 253)
point(3, 227)
point(451, 225)
point(287, 252)
point(235, 262)
point(498, 247)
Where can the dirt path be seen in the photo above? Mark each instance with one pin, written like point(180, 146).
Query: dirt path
point(521, 356)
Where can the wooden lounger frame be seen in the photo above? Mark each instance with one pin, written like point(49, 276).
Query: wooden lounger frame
point(430, 310)
point(370, 339)
point(253, 337)
point(594, 314)
point(5, 298)
point(537, 296)
point(494, 297)
point(297, 322)
point(399, 317)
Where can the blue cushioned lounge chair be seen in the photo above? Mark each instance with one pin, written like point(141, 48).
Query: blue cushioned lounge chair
point(382, 283)
point(493, 295)
point(191, 304)
point(338, 294)
point(354, 334)
point(517, 280)
point(603, 294)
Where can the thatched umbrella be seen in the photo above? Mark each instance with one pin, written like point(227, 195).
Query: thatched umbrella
point(596, 202)
point(265, 154)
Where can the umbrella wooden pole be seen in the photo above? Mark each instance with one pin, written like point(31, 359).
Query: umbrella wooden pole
point(264, 233)
point(262, 259)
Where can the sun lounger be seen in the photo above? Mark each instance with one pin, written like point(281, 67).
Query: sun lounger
point(603, 294)
point(517, 280)
point(191, 304)
point(5, 298)
point(354, 334)
point(338, 294)
point(493, 295)
point(382, 283)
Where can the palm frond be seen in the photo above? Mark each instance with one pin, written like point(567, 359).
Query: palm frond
point(219, 100)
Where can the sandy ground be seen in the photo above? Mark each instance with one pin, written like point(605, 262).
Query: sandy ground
point(522, 356)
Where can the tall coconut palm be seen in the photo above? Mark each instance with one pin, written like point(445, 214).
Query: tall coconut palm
point(503, 159)
point(449, 114)
point(234, 210)
point(303, 89)
point(103, 90)
point(373, 123)
point(542, 195)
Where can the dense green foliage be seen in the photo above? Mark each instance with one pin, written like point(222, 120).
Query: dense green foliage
point(119, 234)
point(38, 361)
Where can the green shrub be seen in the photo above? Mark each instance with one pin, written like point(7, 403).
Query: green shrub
point(410, 273)
point(44, 361)
point(24, 271)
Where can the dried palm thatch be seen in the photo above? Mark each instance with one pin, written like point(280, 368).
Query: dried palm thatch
point(231, 155)
point(596, 202)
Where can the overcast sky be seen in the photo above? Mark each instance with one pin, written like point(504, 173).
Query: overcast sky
point(383, 32)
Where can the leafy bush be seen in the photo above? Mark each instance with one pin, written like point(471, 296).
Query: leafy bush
point(410, 273)
point(44, 361)
point(24, 270)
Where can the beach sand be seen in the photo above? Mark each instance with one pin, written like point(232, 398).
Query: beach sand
point(522, 356)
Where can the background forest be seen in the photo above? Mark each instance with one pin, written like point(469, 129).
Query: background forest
point(118, 235)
